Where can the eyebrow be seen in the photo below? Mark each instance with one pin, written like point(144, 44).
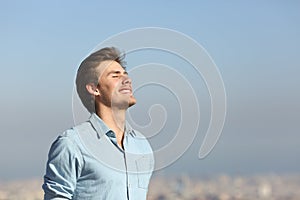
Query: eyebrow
point(116, 72)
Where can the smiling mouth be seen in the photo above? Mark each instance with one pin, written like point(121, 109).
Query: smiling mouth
point(125, 91)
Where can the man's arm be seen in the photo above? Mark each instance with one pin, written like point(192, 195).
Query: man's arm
point(62, 170)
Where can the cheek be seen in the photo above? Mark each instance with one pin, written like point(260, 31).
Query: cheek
point(112, 88)
point(109, 86)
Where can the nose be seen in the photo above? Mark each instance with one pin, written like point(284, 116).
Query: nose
point(126, 80)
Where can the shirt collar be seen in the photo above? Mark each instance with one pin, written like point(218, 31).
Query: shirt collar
point(101, 128)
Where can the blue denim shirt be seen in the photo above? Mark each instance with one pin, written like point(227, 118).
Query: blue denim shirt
point(85, 163)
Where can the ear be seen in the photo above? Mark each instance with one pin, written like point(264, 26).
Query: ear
point(92, 89)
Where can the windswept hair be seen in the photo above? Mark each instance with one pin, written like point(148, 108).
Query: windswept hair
point(88, 73)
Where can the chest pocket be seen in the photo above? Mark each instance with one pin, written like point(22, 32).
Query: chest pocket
point(144, 166)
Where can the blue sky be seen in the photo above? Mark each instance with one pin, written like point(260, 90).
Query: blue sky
point(255, 45)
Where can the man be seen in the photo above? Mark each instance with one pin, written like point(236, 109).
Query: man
point(103, 158)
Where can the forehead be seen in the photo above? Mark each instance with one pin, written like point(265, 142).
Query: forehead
point(109, 65)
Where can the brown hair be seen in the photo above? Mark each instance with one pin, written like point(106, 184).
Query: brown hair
point(87, 73)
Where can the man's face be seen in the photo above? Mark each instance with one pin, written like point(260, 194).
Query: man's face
point(115, 86)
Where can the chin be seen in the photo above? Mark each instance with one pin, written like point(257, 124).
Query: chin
point(125, 103)
point(131, 102)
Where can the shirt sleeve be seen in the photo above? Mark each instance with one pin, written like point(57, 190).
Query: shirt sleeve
point(62, 170)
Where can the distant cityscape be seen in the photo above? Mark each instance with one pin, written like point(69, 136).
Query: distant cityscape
point(222, 187)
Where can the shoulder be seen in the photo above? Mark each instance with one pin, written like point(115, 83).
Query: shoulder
point(64, 144)
point(72, 134)
point(68, 141)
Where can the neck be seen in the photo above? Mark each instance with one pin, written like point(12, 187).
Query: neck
point(114, 118)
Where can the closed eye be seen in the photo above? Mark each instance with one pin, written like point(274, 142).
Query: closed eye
point(117, 74)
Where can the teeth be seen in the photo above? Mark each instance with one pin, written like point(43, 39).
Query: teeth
point(125, 91)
